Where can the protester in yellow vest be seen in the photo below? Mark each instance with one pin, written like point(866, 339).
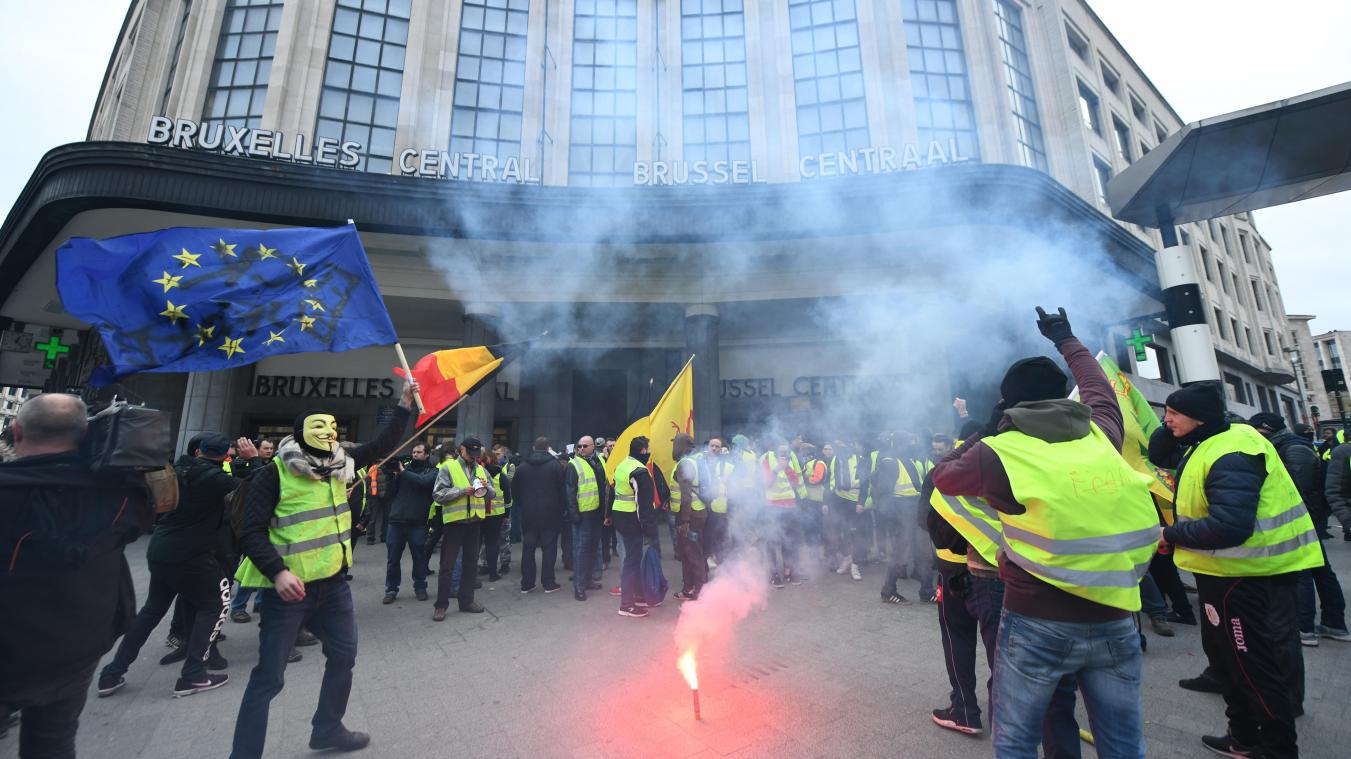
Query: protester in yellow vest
point(812, 506)
point(782, 482)
point(464, 490)
point(715, 471)
point(1079, 529)
point(691, 515)
point(634, 515)
point(895, 490)
point(849, 475)
point(1242, 529)
point(586, 489)
point(296, 538)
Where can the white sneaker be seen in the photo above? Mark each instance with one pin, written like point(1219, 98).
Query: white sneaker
point(1308, 639)
point(712, 563)
point(844, 566)
point(854, 572)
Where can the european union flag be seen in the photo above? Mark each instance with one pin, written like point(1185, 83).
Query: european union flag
point(194, 300)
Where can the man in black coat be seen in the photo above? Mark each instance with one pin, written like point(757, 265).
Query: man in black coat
point(408, 506)
point(1301, 461)
point(184, 559)
point(538, 493)
point(65, 590)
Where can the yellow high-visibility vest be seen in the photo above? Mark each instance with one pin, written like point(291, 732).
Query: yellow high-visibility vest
point(588, 494)
point(311, 529)
point(1089, 527)
point(780, 487)
point(1283, 539)
point(712, 481)
point(671, 482)
point(626, 500)
point(977, 522)
point(847, 493)
point(467, 505)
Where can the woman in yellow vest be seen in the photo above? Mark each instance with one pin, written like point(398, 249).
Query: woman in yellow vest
point(1078, 532)
point(1242, 529)
point(296, 537)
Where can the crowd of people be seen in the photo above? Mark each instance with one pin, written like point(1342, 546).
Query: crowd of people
point(1029, 532)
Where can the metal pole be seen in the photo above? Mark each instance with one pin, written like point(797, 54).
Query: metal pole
point(1187, 325)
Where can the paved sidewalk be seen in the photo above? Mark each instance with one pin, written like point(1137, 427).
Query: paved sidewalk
point(826, 670)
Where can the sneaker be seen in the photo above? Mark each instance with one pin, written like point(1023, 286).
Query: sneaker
point(1200, 684)
point(527, 590)
point(214, 660)
point(421, 595)
point(1161, 627)
point(579, 595)
point(389, 597)
point(110, 684)
point(615, 591)
point(1308, 639)
point(306, 638)
point(594, 586)
point(554, 588)
point(294, 656)
point(1181, 619)
point(473, 607)
point(796, 579)
point(685, 595)
point(438, 614)
point(854, 572)
point(343, 740)
point(173, 641)
point(646, 605)
point(494, 577)
point(712, 563)
point(185, 687)
point(175, 656)
point(1225, 745)
point(776, 581)
point(949, 719)
point(240, 616)
point(1335, 633)
point(220, 637)
point(844, 566)
point(632, 611)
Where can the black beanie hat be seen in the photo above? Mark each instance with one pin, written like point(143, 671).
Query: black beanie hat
point(1033, 379)
point(1202, 402)
point(1268, 421)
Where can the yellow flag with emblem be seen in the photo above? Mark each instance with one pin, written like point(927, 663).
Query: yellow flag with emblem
point(673, 414)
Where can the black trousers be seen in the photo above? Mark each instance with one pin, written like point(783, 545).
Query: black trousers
point(457, 537)
point(968, 613)
point(48, 723)
point(491, 535)
point(204, 589)
point(693, 565)
point(569, 551)
point(547, 542)
point(1250, 635)
point(1164, 572)
point(715, 535)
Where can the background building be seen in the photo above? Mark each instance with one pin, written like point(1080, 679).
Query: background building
point(1317, 353)
point(785, 103)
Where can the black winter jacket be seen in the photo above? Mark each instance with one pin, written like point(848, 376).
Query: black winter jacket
point(412, 493)
point(194, 528)
point(1301, 461)
point(1233, 488)
point(538, 492)
point(1338, 484)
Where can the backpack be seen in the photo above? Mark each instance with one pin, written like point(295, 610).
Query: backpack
point(654, 585)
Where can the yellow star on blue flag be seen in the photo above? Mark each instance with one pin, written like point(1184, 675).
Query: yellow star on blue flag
point(119, 284)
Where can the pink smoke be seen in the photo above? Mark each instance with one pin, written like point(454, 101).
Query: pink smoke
point(740, 586)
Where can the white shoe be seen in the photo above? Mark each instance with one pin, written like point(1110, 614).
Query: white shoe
point(854, 572)
point(844, 567)
point(712, 563)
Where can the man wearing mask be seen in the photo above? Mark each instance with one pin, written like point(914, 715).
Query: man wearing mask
point(464, 491)
point(408, 523)
point(1072, 554)
point(1244, 532)
point(182, 559)
point(691, 515)
point(631, 512)
point(296, 536)
point(586, 489)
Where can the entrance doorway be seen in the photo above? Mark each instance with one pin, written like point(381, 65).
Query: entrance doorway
point(599, 402)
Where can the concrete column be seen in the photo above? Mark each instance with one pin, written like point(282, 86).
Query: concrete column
point(474, 416)
point(1187, 325)
point(701, 339)
point(206, 405)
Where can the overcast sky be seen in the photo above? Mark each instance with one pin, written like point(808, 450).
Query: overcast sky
point(1208, 57)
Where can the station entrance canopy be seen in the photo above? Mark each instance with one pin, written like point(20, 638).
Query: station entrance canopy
point(1267, 155)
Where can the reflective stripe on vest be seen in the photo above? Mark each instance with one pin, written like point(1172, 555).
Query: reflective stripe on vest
point(626, 500)
point(905, 484)
point(816, 492)
point(466, 506)
point(972, 517)
point(712, 482)
point(588, 494)
point(951, 557)
point(780, 489)
point(1090, 527)
point(311, 529)
point(692, 466)
point(847, 493)
point(1283, 538)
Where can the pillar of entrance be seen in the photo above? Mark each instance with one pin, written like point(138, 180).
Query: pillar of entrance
point(701, 339)
point(206, 405)
point(474, 415)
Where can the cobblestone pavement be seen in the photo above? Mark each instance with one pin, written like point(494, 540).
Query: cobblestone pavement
point(825, 670)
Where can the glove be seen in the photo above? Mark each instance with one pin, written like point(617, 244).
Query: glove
point(996, 416)
point(1054, 327)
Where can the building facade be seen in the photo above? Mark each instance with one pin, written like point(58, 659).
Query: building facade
point(753, 134)
point(1316, 355)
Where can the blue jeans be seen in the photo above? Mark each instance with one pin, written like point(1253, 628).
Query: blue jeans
point(1151, 600)
point(1035, 658)
point(396, 537)
point(631, 573)
point(240, 600)
point(327, 611)
point(585, 550)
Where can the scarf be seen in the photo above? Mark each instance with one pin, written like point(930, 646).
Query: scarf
point(302, 463)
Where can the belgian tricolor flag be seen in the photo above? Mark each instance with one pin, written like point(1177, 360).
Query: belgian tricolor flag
point(445, 377)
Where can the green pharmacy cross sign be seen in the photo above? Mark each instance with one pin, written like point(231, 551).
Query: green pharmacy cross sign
point(1138, 340)
point(53, 348)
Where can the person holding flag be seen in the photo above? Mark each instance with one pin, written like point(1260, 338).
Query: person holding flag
point(296, 537)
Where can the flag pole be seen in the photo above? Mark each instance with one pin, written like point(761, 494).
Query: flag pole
point(417, 394)
point(416, 433)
